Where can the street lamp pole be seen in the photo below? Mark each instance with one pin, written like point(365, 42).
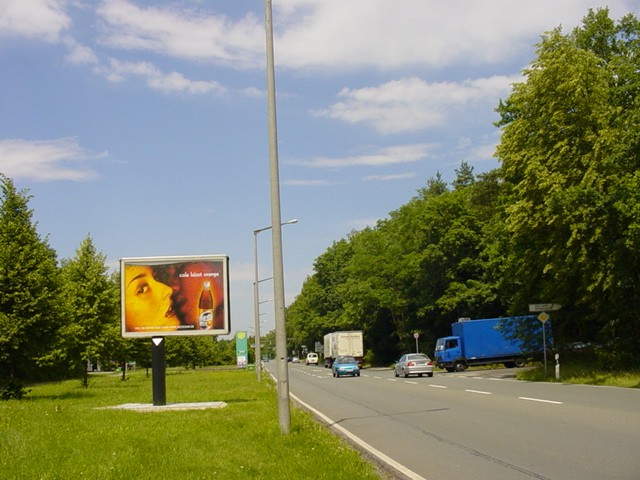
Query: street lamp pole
point(284, 413)
point(256, 297)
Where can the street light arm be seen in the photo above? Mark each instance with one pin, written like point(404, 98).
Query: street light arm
point(288, 222)
point(256, 295)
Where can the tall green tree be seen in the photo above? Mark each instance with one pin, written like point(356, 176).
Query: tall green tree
point(29, 294)
point(91, 297)
point(569, 152)
point(319, 308)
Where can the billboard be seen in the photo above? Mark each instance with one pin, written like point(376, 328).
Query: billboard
point(162, 296)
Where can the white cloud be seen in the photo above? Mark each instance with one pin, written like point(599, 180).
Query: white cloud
point(79, 54)
point(316, 33)
point(182, 33)
point(39, 19)
point(158, 80)
point(386, 156)
point(412, 104)
point(389, 35)
point(46, 160)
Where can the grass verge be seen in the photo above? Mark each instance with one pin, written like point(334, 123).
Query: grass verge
point(59, 432)
point(582, 373)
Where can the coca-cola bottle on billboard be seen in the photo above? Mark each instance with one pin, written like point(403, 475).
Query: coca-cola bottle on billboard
point(205, 308)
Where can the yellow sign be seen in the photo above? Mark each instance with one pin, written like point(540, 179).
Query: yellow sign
point(543, 317)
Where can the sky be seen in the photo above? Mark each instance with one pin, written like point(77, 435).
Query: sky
point(143, 123)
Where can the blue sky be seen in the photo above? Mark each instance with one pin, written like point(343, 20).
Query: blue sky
point(144, 123)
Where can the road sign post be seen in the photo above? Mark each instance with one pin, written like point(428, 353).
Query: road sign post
point(543, 308)
point(543, 317)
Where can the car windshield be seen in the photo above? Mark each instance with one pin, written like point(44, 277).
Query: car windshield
point(346, 360)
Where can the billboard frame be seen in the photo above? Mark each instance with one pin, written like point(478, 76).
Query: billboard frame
point(161, 296)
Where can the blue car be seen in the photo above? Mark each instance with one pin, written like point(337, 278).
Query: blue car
point(345, 366)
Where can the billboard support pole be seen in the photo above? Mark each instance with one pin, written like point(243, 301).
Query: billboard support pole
point(158, 371)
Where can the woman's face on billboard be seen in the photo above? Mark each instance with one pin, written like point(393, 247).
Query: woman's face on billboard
point(147, 301)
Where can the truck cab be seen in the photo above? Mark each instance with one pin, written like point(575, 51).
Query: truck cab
point(447, 351)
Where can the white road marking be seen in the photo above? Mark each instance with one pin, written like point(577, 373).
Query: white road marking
point(479, 391)
point(541, 400)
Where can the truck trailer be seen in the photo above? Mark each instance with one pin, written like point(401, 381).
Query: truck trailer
point(342, 343)
point(489, 341)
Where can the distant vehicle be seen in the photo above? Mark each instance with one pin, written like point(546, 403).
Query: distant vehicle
point(487, 341)
point(312, 359)
point(414, 364)
point(345, 365)
point(579, 347)
point(344, 343)
point(295, 359)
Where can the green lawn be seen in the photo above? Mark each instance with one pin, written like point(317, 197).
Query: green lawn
point(582, 372)
point(59, 431)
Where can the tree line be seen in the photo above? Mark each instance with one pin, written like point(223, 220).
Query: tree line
point(61, 319)
point(557, 222)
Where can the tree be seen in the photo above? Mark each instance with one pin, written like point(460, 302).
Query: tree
point(569, 152)
point(29, 287)
point(319, 308)
point(92, 301)
point(464, 176)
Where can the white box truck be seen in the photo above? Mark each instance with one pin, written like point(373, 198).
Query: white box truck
point(343, 343)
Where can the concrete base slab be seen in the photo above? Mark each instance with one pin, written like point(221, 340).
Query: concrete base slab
point(149, 407)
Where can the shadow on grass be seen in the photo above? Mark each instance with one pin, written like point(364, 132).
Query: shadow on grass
point(75, 395)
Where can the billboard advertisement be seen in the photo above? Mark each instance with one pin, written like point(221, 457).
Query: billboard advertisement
point(162, 296)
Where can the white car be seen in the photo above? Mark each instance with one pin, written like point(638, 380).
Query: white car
point(312, 359)
point(414, 364)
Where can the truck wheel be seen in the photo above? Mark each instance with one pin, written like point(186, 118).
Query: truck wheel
point(460, 366)
point(519, 362)
point(509, 364)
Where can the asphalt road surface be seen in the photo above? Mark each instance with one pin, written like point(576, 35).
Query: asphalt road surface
point(479, 425)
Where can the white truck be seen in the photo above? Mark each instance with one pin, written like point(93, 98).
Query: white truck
point(343, 343)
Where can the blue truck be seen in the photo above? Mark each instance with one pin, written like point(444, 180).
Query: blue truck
point(488, 341)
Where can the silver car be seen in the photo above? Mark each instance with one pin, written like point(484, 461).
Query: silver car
point(414, 364)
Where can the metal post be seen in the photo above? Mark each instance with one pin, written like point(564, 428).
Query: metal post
point(256, 307)
point(284, 412)
point(256, 295)
point(544, 346)
point(158, 369)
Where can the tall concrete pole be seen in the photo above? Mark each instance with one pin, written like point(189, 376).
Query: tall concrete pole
point(284, 413)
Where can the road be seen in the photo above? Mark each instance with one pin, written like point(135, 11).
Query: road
point(481, 425)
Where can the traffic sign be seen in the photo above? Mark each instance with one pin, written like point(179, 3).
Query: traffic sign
point(543, 317)
point(544, 307)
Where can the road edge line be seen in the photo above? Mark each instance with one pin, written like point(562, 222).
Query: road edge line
point(364, 445)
